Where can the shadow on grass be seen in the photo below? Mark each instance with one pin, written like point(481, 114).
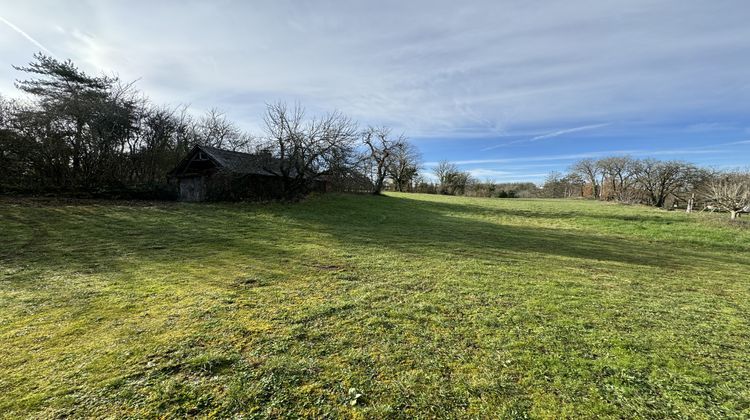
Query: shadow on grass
point(546, 209)
point(413, 226)
point(106, 238)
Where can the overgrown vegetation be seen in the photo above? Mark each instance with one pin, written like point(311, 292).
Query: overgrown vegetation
point(95, 134)
point(76, 133)
point(406, 306)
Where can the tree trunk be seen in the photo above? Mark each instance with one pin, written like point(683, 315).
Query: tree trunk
point(734, 214)
point(378, 185)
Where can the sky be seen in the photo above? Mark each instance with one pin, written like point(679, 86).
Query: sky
point(508, 90)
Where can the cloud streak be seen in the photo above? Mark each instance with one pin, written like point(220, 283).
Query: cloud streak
point(25, 35)
point(511, 166)
point(587, 155)
point(568, 131)
point(557, 133)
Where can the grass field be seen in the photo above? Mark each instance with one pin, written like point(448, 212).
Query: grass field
point(427, 306)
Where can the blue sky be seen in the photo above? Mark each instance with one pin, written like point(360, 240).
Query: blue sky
point(509, 90)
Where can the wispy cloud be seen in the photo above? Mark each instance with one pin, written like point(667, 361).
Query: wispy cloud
point(431, 69)
point(736, 143)
point(708, 127)
point(573, 156)
point(568, 131)
point(25, 35)
point(557, 133)
point(512, 171)
point(455, 78)
point(540, 158)
point(488, 173)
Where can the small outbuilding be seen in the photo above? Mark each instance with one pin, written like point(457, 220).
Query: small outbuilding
point(209, 174)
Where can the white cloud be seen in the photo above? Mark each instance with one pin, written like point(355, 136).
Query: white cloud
point(429, 68)
point(446, 73)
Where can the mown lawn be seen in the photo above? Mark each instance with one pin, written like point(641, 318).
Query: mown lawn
point(428, 306)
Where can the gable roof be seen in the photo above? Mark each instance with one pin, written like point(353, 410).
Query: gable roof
point(235, 162)
point(243, 163)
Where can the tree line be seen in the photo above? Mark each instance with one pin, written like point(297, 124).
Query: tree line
point(653, 182)
point(97, 134)
point(77, 132)
point(448, 179)
point(659, 183)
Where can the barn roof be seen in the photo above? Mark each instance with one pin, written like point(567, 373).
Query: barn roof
point(243, 163)
point(227, 160)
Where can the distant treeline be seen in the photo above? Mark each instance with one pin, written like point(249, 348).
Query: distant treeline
point(652, 182)
point(615, 178)
point(450, 180)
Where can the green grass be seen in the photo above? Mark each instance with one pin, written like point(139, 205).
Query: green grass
point(428, 306)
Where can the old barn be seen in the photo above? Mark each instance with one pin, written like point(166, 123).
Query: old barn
point(208, 173)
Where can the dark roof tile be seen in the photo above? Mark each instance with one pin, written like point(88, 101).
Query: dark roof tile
point(243, 163)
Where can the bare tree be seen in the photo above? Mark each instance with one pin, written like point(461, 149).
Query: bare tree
point(695, 181)
point(404, 165)
point(215, 130)
point(557, 185)
point(619, 172)
point(381, 148)
point(590, 171)
point(574, 185)
point(458, 182)
point(451, 180)
point(305, 149)
point(442, 171)
point(346, 169)
point(553, 186)
point(658, 180)
point(730, 192)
